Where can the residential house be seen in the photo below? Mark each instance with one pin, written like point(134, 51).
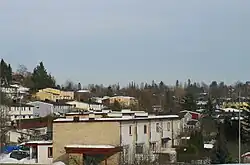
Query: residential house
point(136, 135)
point(21, 111)
point(86, 106)
point(41, 151)
point(82, 95)
point(54, 94)
point(189, 120)
point(123, 100)
point(195, 115)
point(45, 108)
point(14, 91)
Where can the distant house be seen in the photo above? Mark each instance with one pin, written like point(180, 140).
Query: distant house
point(192, 124)
point(157, 108)
point(13, 91)
point(195, 115)
point(44, 108)
point(21, 111)
point(41, 151)
point(54, 94)
point(86, 106)
point(123, 100)
point(189, 120)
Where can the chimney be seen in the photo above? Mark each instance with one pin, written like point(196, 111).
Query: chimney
point(76, 118)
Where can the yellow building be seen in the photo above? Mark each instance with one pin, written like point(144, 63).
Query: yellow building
point(123, 100)
point(236, 105)
point(54, 94)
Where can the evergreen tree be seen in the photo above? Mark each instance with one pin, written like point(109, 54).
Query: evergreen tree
point(5, 73)
point(41, 78)
point(209, 107)
point(110, 91)
point(189, 102)
point(220, 153)
point(196, 139)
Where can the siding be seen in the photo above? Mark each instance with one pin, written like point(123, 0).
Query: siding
point(90, 133)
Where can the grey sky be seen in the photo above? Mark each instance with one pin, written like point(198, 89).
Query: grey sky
point(119, 41)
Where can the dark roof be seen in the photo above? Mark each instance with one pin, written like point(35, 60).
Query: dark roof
point(20, 105)
point(58, 103)
point(192, 122)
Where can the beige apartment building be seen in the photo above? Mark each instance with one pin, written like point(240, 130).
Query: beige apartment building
point(54, 94)
point(117, 139)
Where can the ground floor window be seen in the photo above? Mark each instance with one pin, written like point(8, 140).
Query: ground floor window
point(139, 148)
point(50, 152)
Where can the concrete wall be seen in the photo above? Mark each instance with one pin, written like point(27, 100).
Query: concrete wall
point(42, 154)
point(91, 133)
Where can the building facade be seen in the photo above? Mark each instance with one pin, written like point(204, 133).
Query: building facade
point(45, 108)
point(86, 106)
point(21, 111)
point(138, 136)
point(54, 94)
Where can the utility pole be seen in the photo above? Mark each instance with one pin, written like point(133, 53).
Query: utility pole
point(239, 129)
point(20, 112)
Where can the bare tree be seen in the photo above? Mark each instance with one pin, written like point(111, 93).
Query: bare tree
point(22, 70)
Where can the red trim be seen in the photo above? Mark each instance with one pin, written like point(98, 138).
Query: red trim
point(93, 151)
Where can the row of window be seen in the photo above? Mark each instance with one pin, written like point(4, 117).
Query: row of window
point(22, 108)
point(158, 128)
point(139, 146)
point(23, 116)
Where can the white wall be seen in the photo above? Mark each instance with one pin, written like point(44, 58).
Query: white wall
point(86, 106)
point(130, 141)
point(21, 112)
point(42, 154)
point(13, 136)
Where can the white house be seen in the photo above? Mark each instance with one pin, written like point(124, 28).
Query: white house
point(153, 135)
point(14, 90)
point(44, 108)
point(41, 151)
point(21, 111)
point(86, 106)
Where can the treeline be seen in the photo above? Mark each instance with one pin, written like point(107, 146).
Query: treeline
point(35, 80)
point(171, 97)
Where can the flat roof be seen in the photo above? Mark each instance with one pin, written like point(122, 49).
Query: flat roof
point(88, 146)
point(117, 119)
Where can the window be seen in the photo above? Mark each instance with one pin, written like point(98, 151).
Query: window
point(164, 143)
point(130, 130)
point(139, 148)
point(50, 152)
point(153, 146)
point(145, 129)
point(157, 127)
point(168, 126)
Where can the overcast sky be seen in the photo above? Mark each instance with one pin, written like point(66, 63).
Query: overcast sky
point(115, 41)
